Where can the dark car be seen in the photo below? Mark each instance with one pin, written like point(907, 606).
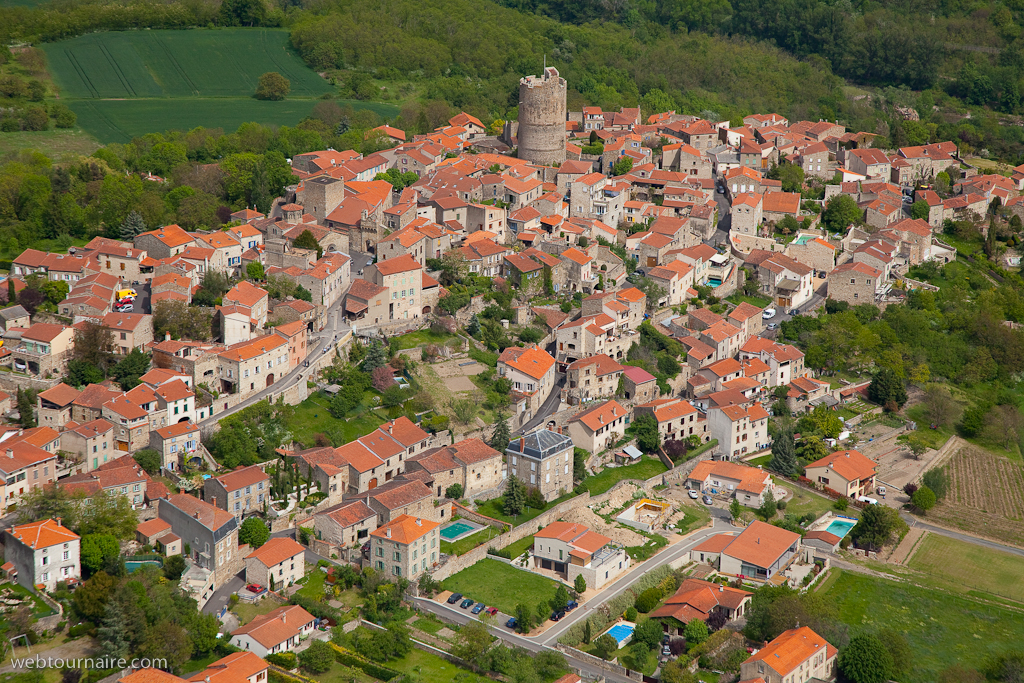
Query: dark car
point(466, 603)
point(571, 606)
point(707, 500)
point(479, 608)
point(556, 616)
point(794, 311)
point(511, 623)
point(454, 598)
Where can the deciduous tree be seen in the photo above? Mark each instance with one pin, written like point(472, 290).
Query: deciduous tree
point(865, 660)
point(254, 531)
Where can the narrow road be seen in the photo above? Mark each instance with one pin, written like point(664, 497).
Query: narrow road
point(548, 408)
point(916, 523)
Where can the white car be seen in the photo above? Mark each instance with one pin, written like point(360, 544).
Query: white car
point(768, 313)
point(693, 494)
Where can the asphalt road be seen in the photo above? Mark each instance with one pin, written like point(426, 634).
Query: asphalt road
point(966, 538)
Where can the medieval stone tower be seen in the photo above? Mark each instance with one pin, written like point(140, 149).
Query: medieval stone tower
point(542, 118)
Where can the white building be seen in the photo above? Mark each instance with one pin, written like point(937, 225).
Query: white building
point(44, 553)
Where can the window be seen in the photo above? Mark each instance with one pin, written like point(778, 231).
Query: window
point(67, 554)
point(380, 552)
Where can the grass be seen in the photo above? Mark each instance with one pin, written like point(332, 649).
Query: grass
point(942, 628)
point(339, 673)
point(654, 543)
point(956, 563)
point(55, 144)
point(429, 668)
point(431, 626)
point(804, 501)
point(247, 611)
point(694, 518)
point(500, 585)
point(313, 588)
point(607, 478)
point(520, 546)
point(759, 460)
point(759, 301)
point(464, 545)
point(311, 417)
point(935, 438)
point(126, 84)
point(493, 508)
point(420, 337)
point(40, 608)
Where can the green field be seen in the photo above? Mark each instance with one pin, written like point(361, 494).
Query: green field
point(964, 564)
point(942, 628)
point(610, 476)
point(500, 585)
point(130, 83)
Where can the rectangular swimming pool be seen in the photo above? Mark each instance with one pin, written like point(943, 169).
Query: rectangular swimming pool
point(622, 633)
point(459, 529)
point(841, 526)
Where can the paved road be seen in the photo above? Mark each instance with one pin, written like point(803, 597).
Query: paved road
point(548, 408)
point(966, 538)
point(223, 594)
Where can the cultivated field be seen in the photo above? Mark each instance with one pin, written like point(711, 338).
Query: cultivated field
point(195, 63)
point(962, 564)
point(986, 496)
point(126, 84)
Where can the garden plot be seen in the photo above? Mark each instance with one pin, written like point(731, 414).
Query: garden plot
point(588, 518)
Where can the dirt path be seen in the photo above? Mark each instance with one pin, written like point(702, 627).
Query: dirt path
point(72, 649)
point(906, 547)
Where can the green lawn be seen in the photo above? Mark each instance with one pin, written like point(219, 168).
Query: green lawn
point(935, 438)
point(39, 608)
point(313, 588)
point(464, 545)
point(494, 508)
point(607, 478)
point(247, 611)
point(654, 543)
point(500, 585)
point(431, 626)
point(340, 673)
point(759, 301)
point(955, 563)
point(804, 501)
point(53, 143)
point(429, 668)
point(695, 518)
point(759, 460)
point(519, 547)
point(942, 628)
point(311, 417)
point(419, 337)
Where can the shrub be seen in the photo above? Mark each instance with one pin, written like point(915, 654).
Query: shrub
point(841, 504)
point(500, 552)
point(631, 614)
point(285, 660)
point(648, 600)
point(80, 629)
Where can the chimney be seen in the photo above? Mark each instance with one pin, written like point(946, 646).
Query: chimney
point(419, 522)
point(195, 515)
point(58, 519)
point(284, 617)
point(10, 453)
point(721, 589)
point(387, 532)
point(167, 336)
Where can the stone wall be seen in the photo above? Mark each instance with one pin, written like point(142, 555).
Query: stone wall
point(11, 382)
point(598, 662)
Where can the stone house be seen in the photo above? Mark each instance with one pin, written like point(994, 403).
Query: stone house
point(855, 283)
point(243, 492)
point(591, 378)
point(93, 442)
point(43, 553)
point(406, 547)
point(44, 350)
point(600, 427)
point(130, 330)
point(470, 463)
point(175, 443)
point(543, 459)
point(345, 525)
point(209, 533)
point(164, 242)
point(276, 564)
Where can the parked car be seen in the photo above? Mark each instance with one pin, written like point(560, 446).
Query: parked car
point(768, 313)
point(571, 606)
point(556, 616)
point(491, 610)
point(123, 308)
point(693, 494)
point(511, 623)
point(794, 311)
point(454, 598)
point(254, 588)
point(466, 603)
point(478, 608)
point(707, 500)
point(772, 326)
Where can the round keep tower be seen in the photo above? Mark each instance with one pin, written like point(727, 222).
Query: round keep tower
point(542, 116)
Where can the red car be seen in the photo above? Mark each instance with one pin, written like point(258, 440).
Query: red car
point(254, 588)
point(491, 610)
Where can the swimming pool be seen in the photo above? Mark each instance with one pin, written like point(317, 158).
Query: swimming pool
point(841, 526)
point(132, 565)
point(622, 633)
point(459, 529)
point(714, 282)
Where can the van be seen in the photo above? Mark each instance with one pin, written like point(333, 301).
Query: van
point(881, 491)
point(122, 293)
point(869, 501)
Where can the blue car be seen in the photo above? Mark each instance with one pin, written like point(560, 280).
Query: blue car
point(511, 623)
point(479, 608)
point(571, 606)
point(466, 603)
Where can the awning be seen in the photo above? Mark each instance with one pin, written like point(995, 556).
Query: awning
point(353, 306)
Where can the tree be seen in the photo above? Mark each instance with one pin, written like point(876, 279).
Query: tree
point(645, 428)
point(95, 550)
point(472, 642)
point(254, 531)
point(940, 408)
point(376, 357)
point(90, 599)
point(865, 660)
point(307, 240)
point(535, 499)
point(81, 373)
point(717, 621)
point(94, 344)
point(648, 632)
point(887, 387)
point(696, 632)
point(128, 371)
point(768, 507)
point(560, 599)
point(605, 645)
point(515, 497)
point(841, 212)
point(133, 226)
point(784, 454)
point(899, 649)
point(937, 481)
point(791, 175)
point(923, 499)
point(454, 491)
point(318, 658)
point(255, 271)
point(181, 321)
point(243, 12)
point(1008, 668)
point(106, 512)
point(464, 409)
point(524, 617)
point(735, 509)
point(812, 448)
point(382, 378)
point(580, 584)
point(919, 210)
point(26, 400)
point(877, 526)
point(55, 291)
point(623, 166)
point(579, 464)
point(174, 567)
point(272, 86)
point(502, 435)
point(168, 641)
point(675, 671)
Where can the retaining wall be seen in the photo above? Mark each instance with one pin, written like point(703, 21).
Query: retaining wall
point(598, 662)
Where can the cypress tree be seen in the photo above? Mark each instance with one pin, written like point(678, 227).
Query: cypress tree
point(784, 454)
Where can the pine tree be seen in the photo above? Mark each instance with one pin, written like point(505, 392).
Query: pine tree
point(501, 435)
point(784, 454)
point(26, 408)
point(376, 357)
point(474, 326)
point(586, 632)
point(133, 225)
point(515, 497)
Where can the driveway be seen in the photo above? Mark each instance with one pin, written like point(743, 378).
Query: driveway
point(221, 596)
point(548, 408)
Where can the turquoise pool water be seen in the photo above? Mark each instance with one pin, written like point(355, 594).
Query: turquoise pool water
point(132, 566)
point(454, 530)
point(714, 282)
point(621, 633)
point(841, 527)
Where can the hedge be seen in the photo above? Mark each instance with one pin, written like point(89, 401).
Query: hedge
point(651, 579)
point(317, 609)
point(285, 660)
point(349, 658)
point(716, 640)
